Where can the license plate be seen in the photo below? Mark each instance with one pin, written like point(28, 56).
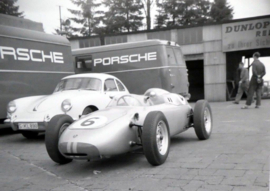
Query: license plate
point(28, 126)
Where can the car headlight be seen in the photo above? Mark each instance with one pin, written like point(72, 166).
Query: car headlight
point(11, 108)
point(66, 105)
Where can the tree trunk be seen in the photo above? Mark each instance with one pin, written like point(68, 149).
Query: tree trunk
point(128, 26)
point(89, 26)
point(148, 16)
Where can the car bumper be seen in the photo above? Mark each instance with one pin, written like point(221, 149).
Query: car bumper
point(41, 126)
point(77, 150)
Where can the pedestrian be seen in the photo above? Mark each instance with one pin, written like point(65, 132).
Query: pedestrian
point(243, 83)
point(256, 82)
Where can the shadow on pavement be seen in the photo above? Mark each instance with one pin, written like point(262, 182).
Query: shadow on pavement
point(135, 159)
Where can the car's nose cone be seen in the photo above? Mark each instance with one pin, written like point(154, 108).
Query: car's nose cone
point(79, 150)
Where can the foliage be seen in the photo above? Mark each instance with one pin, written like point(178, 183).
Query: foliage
point(87, 17)
point(182, 12)
point(66, 29)
point(123, 15)
point(221, 11)
point(8, 7)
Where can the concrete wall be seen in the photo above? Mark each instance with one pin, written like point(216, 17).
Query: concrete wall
point(214, 64)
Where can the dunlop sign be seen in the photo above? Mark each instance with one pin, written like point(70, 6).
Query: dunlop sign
point(246, 35)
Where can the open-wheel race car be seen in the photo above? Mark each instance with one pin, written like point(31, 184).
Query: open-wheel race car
point(129, 122)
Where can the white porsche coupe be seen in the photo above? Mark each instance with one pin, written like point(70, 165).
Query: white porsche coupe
point(75, 95)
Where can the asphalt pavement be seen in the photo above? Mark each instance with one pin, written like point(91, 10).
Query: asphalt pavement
point(236, 157)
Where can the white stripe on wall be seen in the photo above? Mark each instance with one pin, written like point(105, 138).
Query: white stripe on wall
point(154, 68)
point(35, 71)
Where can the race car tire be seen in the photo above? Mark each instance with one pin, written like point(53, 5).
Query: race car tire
point(29, 134)
point(156, 138)
point(54, 129)
point(203, 120)
point(87, 110)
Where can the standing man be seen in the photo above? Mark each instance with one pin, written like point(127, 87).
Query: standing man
point(243, 83)
point(256, 82)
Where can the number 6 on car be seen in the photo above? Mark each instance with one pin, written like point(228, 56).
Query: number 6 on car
point(128, 123)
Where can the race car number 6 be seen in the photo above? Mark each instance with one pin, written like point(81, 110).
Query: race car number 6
point(89, 121)
point(94, 121)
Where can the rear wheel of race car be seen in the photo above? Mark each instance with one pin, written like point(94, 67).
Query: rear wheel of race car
point(29, 134)
point(203, 122)
point(55, 128)
point(156, 138)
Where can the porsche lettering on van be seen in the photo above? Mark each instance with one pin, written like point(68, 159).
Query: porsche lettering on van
point(126, 59)
point(24, 54)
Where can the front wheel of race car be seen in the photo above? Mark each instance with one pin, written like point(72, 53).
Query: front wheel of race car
point(156, 138)
point(29, 134)
point(203, 121)
point(55, 128)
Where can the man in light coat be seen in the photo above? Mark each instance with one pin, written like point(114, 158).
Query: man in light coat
point(243, 83)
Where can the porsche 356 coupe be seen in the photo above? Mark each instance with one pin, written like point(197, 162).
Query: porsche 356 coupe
point(74, 96)
point(129, 122)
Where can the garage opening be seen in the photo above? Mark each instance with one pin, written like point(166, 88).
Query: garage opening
point(233, 73)
point(196, 79)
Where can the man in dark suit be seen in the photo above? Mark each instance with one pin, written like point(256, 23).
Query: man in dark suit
point(256, 82)
point(243, 83)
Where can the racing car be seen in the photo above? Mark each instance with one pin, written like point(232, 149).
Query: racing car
point(129, 122)
point(75, 95)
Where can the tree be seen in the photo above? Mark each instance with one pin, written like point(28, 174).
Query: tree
point(161, 20)
point(123, 15)
point(197, 12)
point(183, 12)
point(170, 12)
point(66, 29)
point(87, 17)
point(221, 11)
point(112, 18)
point(8, 7)
point(147, 10)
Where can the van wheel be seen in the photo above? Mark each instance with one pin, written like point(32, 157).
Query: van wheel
point(29, 134)
point(156, 138)
point(55, 128)
point(203, 121)
point(87, 110)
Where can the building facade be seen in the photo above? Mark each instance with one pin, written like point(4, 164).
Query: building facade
point(212, 52)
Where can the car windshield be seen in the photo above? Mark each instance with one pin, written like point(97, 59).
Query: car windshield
point(126, 100)
point(93, 84)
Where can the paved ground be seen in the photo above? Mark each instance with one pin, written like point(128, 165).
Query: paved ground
point(236, 157)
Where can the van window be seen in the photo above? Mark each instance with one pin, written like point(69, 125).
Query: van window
point(179, 56)
point(171, 56)
point(84, 62)
point(110, 85)
point(120, 86)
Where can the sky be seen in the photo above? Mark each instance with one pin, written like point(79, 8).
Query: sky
point(47, 12)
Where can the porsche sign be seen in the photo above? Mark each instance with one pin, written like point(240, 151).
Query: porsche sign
point(245, 35)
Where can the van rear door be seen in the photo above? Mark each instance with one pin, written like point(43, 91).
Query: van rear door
point(177, 70)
